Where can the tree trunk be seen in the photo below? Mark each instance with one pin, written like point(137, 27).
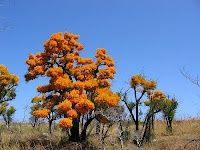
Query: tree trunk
point(121, 136)
point(169, 125)
point(152, 122)
point(83, 133)
point(103, 147)
point(34, 122)
point(8, 124)
point(137, 117)
point(75, 137)
point(50, 126)
point(148, 132)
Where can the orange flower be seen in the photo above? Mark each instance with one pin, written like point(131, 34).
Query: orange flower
point(91, 84)
point(149, 85)
point(100, 52)
point(69, 58)
point(84, 105)
point(136, 80)
point(85, 72)
point(54, 72)
point(62, 82)
point(6, 78)
point(65, 106)
point(84, 61)
point(65, 123)
point(79, 85)
point(106, 73)
point(104, 83)
point(31, 61)
point(106, 96)
point(52, 43)
point(158, 95)
point(72, 113)
point(68, 36)
point(69, 66)
point(73, 96)
point(109, 61)
point(44, 88)
point(139, 80)
point(41, 113)
point(39, 70)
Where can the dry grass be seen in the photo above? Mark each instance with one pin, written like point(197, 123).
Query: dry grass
point(184, 132)
point(186, 135)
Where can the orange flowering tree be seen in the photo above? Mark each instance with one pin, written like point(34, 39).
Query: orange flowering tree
point(77, 86)
point(159, 102)
point(43, 107)
point(155, 102)
point(8, 83)
point(141, 86)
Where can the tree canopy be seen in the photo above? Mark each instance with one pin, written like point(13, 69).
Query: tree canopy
point(8, 83)
point(76, 85)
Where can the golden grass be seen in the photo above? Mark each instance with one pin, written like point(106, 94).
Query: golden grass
point(24, 137)
point(183, 132)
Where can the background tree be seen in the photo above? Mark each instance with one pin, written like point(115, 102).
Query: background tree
point(44, 108)
point(7, 113)
point(169, 110)
point(155, 103)
point(80, 84)
point(8, 83)
point(141, 86)
point(34, 121)
point(158, 102)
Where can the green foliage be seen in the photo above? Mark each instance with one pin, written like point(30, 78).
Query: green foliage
point(3, 108)
point(169, 108)
point(11, 111)
point(7, 112)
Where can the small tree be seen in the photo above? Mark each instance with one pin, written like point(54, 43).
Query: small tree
point(44, 108)
point(81, 84)
point(141, 86)
point(169, 110)
point(34, 121)
point(158, 102)
point(7, 113)
point(8, 83)
point(155, 103)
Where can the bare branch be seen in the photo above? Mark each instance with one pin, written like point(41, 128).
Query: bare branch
point(192, 79)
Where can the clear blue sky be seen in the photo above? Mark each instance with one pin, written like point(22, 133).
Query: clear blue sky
point(154, 37)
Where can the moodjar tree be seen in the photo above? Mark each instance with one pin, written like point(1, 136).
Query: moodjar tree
point(8, 83)
point(141, 87)
point(48, 108)
point(77, 86)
